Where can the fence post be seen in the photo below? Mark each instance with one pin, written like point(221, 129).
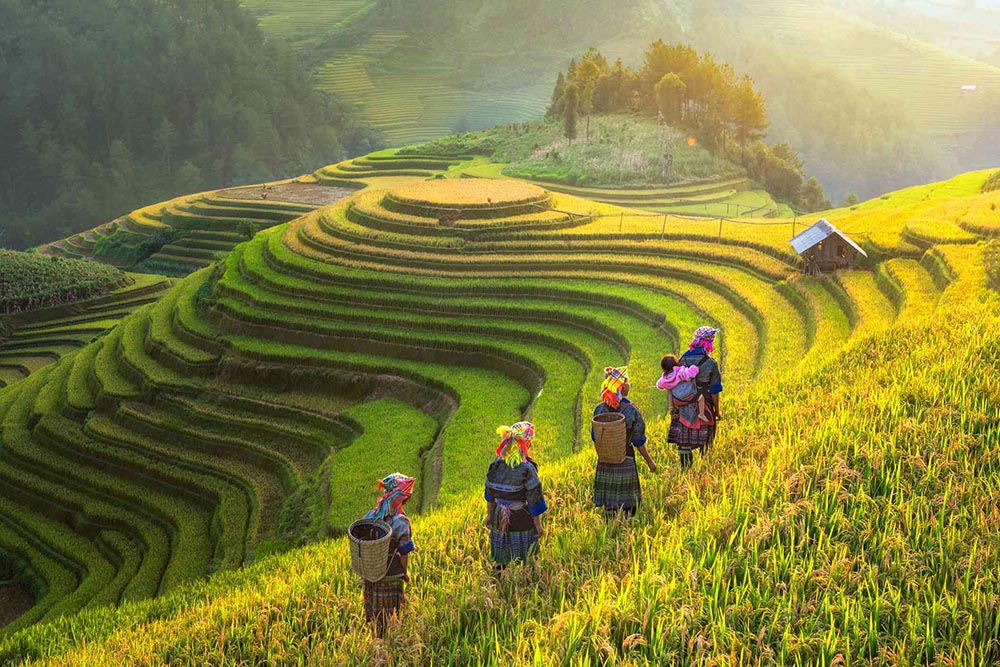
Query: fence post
point(663, 230)
point(621, 221)
point(720, 230)
point(793, 225)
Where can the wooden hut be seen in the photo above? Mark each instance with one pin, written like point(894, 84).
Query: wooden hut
point(823, 247)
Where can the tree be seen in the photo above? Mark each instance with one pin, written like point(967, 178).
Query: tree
point(188, 178)
point(166, 139)
point(571, 98)
point(813, 197)
point(586, 81)
point(556, 106)
point(122, 166)
point(748, 113)
point(670, 96)
point(851, 200)
point(87, 102)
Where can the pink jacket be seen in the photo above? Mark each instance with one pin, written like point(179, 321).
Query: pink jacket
point(677, 375)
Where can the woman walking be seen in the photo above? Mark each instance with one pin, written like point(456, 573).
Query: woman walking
point(616, 486)
point(699, 433)
point(514, 499)
point(385, 599)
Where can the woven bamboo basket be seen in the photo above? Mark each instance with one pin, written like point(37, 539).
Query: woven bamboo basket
point(370, 540)
point(610, 437)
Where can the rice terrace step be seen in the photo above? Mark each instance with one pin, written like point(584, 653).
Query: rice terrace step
point(510, 295)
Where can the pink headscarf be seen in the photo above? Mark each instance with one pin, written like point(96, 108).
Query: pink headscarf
point(704, 339)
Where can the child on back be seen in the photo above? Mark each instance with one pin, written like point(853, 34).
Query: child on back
point(680, 382)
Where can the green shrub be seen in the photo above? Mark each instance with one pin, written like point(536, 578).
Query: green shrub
point(29, 281)
point(992, 261)
point(993, 182)
point(130, 248)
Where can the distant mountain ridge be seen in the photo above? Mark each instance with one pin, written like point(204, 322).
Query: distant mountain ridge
point(890, 114)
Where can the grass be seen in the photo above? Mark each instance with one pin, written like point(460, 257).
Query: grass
point(621, 164)
point(789, 510)
point(412, 433)
point(625, 151)
point(482, 194)
point(252, 409)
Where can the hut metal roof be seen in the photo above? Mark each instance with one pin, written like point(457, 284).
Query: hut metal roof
point(821, 231)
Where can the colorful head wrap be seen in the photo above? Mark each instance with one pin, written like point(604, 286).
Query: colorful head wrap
point(396, 490)
point(611, 390)
point(519, 434)
point(704, 339)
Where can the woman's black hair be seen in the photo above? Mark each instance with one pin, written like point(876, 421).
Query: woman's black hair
point(668, 362)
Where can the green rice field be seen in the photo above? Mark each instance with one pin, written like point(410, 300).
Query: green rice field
point(159, 483)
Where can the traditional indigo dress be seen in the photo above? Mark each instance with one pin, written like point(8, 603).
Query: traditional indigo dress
point(518, 495)
point(709, 382)
point(616, 486)
point(385, 598)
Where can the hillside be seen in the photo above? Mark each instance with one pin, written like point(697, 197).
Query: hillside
point(178, 237)
point(870, 109)
point(621, 164)
point(107, 105)
point(965, 28)
point(50, 307)
point(421, 70)
point(841, 514)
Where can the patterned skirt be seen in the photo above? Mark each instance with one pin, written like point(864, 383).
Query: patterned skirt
point(687, 438)
point(616, 487)
point(506, 547)
point(383, 599)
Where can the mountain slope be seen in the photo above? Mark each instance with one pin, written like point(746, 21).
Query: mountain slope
point(869, 109)
point(294, 346)
point(106, 105)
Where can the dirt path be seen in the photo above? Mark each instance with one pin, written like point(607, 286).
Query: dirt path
point(15, 599)
point(299, 193)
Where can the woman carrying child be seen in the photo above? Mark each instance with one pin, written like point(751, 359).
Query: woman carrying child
point(694, 382)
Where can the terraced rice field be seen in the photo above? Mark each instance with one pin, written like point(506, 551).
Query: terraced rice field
point(42, 337)
point(727, 197)
point(409, 106)
point(254, 405)
point(201, 228)
point(296, 20)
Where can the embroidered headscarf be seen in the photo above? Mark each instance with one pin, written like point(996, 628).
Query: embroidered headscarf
point(611, 389)
point(704, 339)
point(515, 441)
point(396, 490)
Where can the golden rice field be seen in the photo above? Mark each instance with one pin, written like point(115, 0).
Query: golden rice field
point(158, 483)
point(472, 194)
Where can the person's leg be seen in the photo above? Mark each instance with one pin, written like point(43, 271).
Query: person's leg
point(686, 458)
point(709, 439)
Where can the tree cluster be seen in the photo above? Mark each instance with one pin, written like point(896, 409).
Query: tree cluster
point(692, 91)
point(109, 104)
point(991, 256)
point(992, 182)
point(30, 281)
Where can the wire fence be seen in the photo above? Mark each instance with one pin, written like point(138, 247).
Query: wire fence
point(793, 224)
